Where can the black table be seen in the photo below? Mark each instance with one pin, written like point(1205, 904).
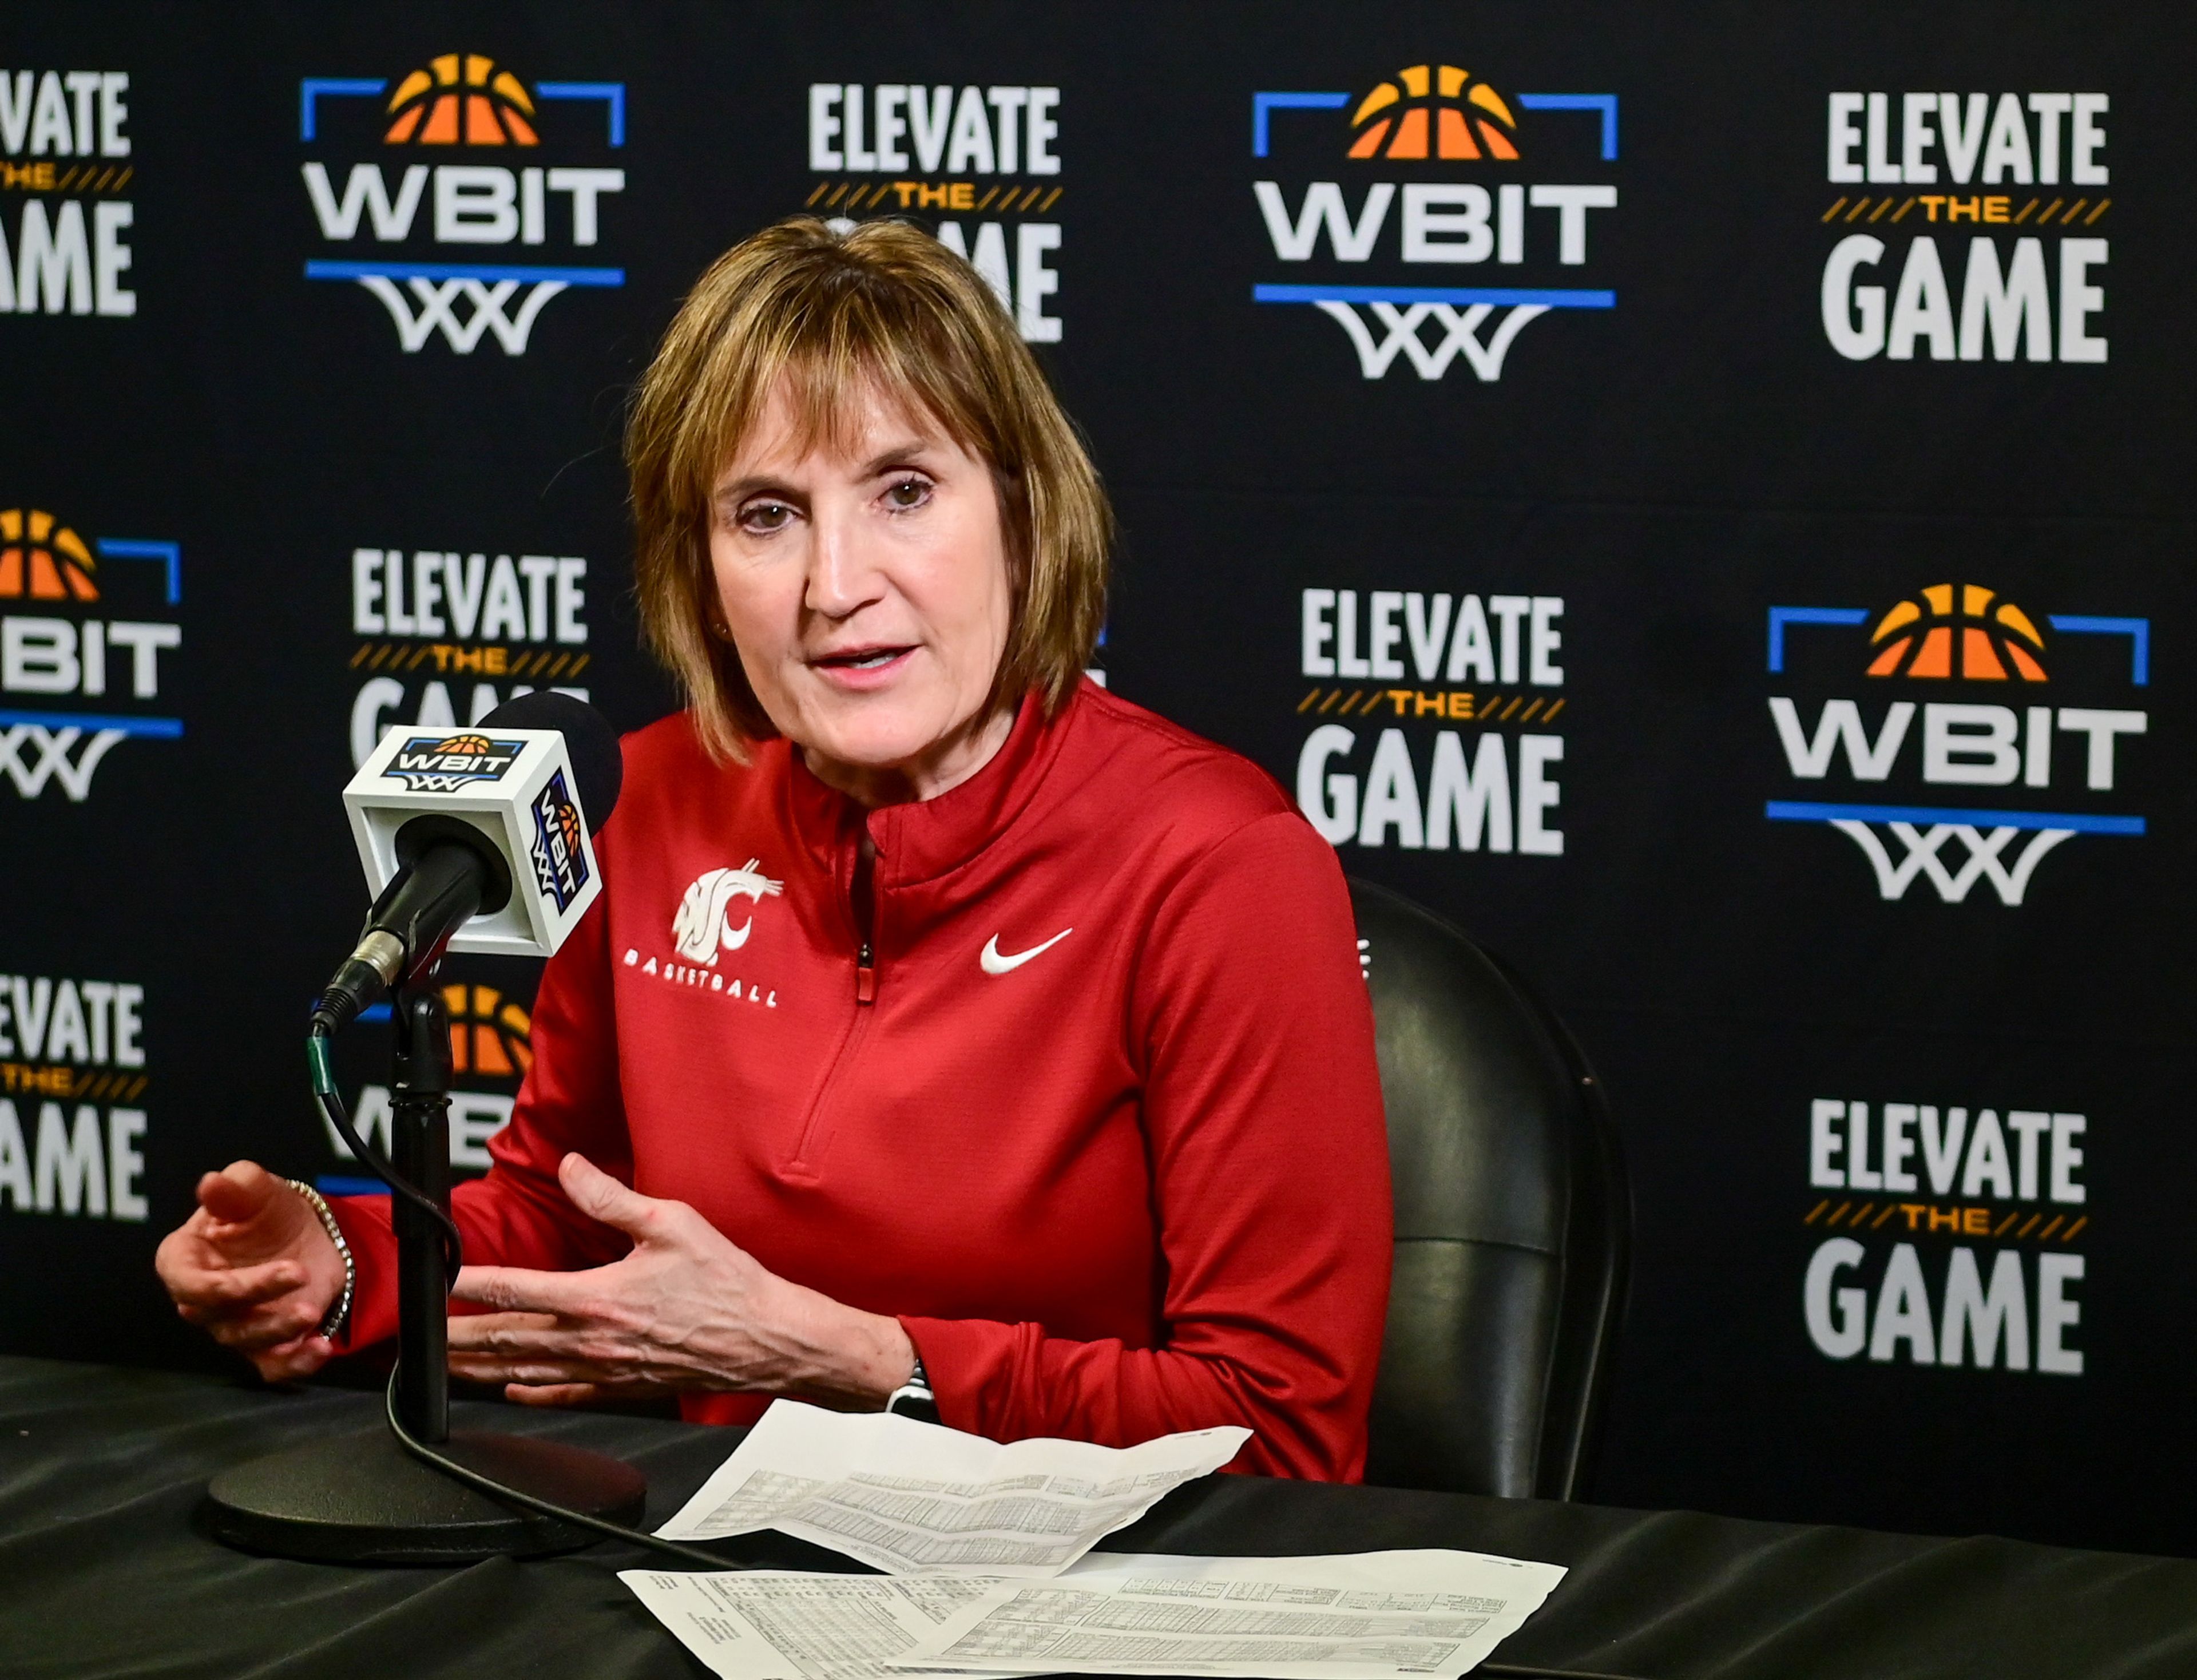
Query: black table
point(106, 1570)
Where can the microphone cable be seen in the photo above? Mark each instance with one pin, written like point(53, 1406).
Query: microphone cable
point(511, 1495)
point(331, 1103)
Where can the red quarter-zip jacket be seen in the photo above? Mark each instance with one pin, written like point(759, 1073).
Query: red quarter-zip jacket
point(1076, 1079)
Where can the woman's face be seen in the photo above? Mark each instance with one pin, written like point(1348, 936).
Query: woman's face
point(868, 595)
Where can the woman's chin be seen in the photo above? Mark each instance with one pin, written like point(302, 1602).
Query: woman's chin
point(872, 745)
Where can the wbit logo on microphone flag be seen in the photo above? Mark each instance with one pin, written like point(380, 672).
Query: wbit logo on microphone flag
point(560, 869)
point(443, 764)
point(513, 786)
point(1966, 634)
point(467, 102)
point(1456, 144)
point(80, 647)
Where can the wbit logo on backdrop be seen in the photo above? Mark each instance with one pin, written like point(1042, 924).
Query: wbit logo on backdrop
point(943, 151)
point(1459, 147)
point(491, 1048)
point(60, 132)
point(468, 103)
point(2014, 248)
point(429, 764)
point(495, 626)
point(1916, 1178)
point(63, 646)
point(1966, 639)
point(1501, 796)
point(72, 1076)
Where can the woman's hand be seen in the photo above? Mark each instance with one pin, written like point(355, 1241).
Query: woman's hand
point(685, 1310)
point(253, 1266)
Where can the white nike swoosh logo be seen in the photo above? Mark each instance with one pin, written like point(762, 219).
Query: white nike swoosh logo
point(995, 963)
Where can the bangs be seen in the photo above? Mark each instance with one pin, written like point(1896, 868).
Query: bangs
point(832, 344)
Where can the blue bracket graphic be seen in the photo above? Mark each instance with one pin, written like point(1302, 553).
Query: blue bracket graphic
point(133, 549)
point(1785, 810)
point(1433, 294)
point(2137, 630)
point(316, 268)
point(1262, 103)
point(1780, 616)
point(154, 728)
point(334, 87)
point(1605, 102)
point(612, 94)
point(334, 1183)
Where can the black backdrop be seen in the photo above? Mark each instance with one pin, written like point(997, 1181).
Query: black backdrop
point(1753, 335)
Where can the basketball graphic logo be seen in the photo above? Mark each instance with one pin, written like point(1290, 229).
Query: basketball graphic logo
point(1423, 113)
point(489, 1034)
point(1996, 642)
point(43, 559)
point(426, 104)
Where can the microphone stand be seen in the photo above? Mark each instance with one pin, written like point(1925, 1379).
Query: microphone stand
point(370, 1498)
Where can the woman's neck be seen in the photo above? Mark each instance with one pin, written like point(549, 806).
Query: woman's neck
point(944, 766)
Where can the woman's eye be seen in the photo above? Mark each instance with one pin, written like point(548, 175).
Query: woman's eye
point(908, 493)
point(763, 517)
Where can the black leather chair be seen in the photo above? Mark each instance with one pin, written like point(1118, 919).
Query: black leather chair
point(1513, 1221)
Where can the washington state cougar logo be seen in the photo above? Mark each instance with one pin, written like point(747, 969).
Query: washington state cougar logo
point(703, 926)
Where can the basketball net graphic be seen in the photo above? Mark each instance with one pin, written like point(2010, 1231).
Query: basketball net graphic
point(51, 760)
point(437, 301)
point(1459, 331)
point(1924, 856)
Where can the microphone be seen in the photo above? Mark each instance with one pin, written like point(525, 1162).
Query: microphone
point(475, 839)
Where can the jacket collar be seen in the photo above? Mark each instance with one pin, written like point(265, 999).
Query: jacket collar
point(921, 840)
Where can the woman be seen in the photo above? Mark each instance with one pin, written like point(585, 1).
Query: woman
point(945, 1022)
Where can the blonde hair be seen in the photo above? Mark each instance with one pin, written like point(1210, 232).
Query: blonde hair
point(885, 307)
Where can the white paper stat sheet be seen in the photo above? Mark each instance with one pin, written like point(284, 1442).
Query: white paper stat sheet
point(766, 1624)
point(1360, 1616)
point(915, 1499)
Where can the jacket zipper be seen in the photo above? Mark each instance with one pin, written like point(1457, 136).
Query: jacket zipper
point(862, 902)
point(863, 899)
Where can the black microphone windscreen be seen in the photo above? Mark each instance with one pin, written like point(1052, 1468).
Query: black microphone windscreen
point(598, 766)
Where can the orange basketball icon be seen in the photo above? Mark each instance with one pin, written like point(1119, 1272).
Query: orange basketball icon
point(1427, 98)
point(495, 105)
point(488, 1032)
point(42, 559)
point(1992, 640)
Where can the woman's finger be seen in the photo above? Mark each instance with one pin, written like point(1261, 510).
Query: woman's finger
point(553, 1394)
point(268, 1327)
point(239, 1193)
point(206, 1287)
point(535, 1370)
point(601, 1196)
point(299, 1357)
point(505, 1333)
point(514, 1288)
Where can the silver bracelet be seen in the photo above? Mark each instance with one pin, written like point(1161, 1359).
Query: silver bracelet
point(318, 1203)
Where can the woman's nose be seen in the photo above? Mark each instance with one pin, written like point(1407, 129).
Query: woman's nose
point(843, 576)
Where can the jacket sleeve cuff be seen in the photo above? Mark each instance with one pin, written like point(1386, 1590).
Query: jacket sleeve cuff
point(364, 1222)
point(962, 1357)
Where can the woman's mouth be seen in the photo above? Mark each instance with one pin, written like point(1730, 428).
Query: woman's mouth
point(857, 664)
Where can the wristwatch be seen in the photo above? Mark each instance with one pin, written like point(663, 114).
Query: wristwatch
point(913, 1398)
